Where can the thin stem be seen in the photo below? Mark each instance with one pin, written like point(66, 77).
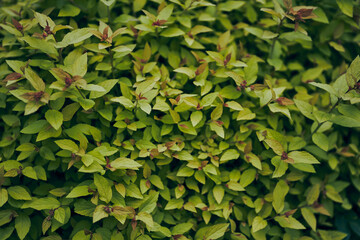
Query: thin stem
point(276, 38)
point(80, 92)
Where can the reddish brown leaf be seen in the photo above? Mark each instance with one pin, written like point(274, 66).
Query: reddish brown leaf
point(12, 76)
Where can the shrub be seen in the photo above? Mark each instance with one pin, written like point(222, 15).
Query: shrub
point(179, 119)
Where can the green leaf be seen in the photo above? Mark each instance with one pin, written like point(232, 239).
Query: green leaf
point(229, 154)
point(289, 222)
point(79, 191)
point(172, 32)
point(125, 163)
point(346, 7)
point(149, 203)
point(196, 117)
point(67, 145)
point(104, 188)
point(145, 218)
point(3, 196)
point(156, 180)
point(60, 215)
point(186, 127)
point(303, 157)
point(22, 225)
point(174, 204)
point(5, 216)
point(55, 118)
point(42, 45)
point(138, 5)
point(258, 224)
point(69, 10)
point(108, 2)
point(279, 193)
point(166, 12)
point(321, 140)
point(218, 192)
point(333, 194)
point(44, 203)
point(187, 71)
point(127, 103)
point(310, 218)
point(34, 79)
point(99, 213)
point(181, 228)
point(133, 191)
point(75, 36)
point(214, 232)
point(107, 85)
point(332, 235)
point(19, 193)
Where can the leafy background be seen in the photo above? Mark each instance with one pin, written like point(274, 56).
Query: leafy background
point(178, 119)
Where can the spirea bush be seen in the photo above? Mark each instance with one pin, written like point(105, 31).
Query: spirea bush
point(179, 119)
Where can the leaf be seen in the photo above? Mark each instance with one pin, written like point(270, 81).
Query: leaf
point(149, 204)
point(332, 235)
point(187, 71)
point(19, 193)
point(107, 85)
point(108, 2)
point(229, 154)
point(104, 188)
point(305, 108)
point(346, 7)
point(55, 118)
point(275, 146)
point(333, 194)
point(156, 181)
point(218, 192)
point(67, 145)
point(186, 127)
point(138, 5)
point(196, 117)
point(99, 213)
point(42, 45)
point(309, 217)
point(321, 141)
point(145, 218)
point(258, 224)
point(79, 191)
point(174, 204)
point(289, 222)
point(75, 36)
point(172, 32)
point(3, 196)
point(133, 191)
point(303, 157)
point(34, 80)
point(127, 103)
point(60, 215)
point(181, 228)
point(69, 10)
point(22, 225)
point(216, 231)
point(125, 163)
point(44, 203)
point(166, 12)
point(279, 193)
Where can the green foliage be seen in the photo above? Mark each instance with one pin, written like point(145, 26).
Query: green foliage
point(179, 119)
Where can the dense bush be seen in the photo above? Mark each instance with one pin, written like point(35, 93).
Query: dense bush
point(179, 119)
